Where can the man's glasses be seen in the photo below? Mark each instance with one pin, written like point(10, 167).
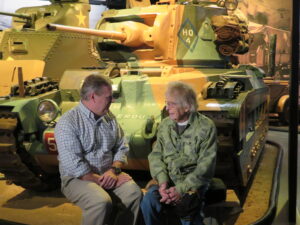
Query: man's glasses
point(171, 104)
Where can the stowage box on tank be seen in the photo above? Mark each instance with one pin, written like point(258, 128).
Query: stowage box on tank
point(146, 47)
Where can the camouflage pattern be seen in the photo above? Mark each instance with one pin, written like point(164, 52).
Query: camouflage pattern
point(192, 42)
point(28, 44)
point(188, 160)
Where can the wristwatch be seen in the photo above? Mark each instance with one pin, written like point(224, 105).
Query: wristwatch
point(116, 170)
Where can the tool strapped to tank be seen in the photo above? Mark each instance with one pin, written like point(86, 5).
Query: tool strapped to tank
point(232, 34)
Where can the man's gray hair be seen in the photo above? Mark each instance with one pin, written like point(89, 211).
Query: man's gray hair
point(93, 83)
point(185, 94)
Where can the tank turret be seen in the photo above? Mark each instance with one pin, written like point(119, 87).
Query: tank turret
point(72, 13)
point(224, 34)
point(30, 45)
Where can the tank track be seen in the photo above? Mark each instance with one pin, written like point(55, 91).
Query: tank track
point(18, 166)
point(35, 87)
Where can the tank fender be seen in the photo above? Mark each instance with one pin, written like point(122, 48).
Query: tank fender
point(280, 106)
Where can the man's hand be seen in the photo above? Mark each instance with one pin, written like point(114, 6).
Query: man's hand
point(122, 178)
point(108, 180)
point(163, 192)
point(91, 177)
point(174, 196)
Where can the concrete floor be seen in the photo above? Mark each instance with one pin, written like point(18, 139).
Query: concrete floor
point(282, 206)
point(23, 207)
point(27, 207)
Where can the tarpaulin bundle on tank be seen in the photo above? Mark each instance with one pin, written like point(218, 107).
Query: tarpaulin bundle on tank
point(232, 34)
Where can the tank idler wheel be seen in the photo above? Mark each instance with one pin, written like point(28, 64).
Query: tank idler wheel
point(284, 116)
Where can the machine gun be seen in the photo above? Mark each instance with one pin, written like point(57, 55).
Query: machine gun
point(28, 20)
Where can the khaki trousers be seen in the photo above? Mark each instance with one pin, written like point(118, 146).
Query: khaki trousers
point(98, 204)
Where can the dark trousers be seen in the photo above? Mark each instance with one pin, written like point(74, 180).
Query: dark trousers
point(154, 211)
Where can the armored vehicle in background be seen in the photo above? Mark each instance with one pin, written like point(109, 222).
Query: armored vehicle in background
point(28, 44)
point(270, 50)
point(144, 48)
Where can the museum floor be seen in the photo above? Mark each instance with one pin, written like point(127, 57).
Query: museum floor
point(21, 207)
point(282, 206)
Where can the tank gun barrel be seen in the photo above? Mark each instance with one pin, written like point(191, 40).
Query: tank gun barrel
point(23, 16)
point(99, 33)
point(128, 33)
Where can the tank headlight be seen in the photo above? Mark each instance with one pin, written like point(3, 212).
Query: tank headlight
point(47, 110)
point(231, 4)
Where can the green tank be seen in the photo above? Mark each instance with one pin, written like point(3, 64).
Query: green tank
point(41, 53)
point(144, 48)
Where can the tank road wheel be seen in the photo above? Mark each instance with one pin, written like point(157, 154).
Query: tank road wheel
point(18, 166)
point(284, 116)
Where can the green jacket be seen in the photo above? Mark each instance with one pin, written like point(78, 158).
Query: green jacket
point(188, 160)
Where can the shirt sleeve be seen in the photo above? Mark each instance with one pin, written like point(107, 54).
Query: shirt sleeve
point(158, 168)
point(206, 162)
point(121, 148)
point(69, 148)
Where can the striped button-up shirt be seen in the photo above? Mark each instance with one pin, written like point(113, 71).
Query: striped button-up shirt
point(88, 145)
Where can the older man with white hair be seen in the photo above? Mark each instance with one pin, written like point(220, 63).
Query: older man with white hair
point(182, 161)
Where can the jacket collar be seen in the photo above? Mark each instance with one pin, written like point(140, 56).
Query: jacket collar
point(190, 120)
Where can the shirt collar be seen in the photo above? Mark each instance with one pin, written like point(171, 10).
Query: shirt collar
point(107, 117)
point(190, 120)
point(86, 111)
